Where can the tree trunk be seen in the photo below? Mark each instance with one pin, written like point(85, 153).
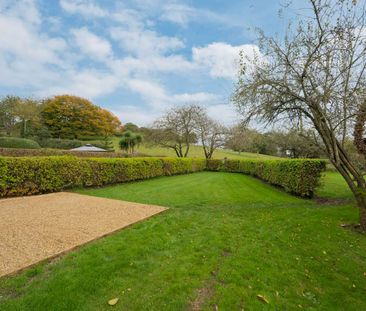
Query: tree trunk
point(205, 152)
point(176, 152)
point(339, 158)
point(359, 190)
point(361, 203)
point(186, 153)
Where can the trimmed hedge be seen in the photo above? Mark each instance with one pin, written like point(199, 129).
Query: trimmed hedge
point(17, 142)
point(34, 175)
point(296, 176)
point(66, 144)
point(16, 152)
point(58, 143)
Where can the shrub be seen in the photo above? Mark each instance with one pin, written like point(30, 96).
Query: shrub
point(58, 143)
point(67, 144)
point(297, 176)
point(33, 175)
point(89, 138)
point(11, 152)
point(17, 142)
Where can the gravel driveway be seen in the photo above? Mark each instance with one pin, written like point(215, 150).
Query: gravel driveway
point(39, 227)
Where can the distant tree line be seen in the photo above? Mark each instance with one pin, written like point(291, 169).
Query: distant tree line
point(181, 127)
point(292, 143)
point(63, 116)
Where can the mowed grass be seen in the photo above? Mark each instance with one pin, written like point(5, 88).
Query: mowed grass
point(333, 186)
point(197, 152)
point(194, 152)
point(225, 239)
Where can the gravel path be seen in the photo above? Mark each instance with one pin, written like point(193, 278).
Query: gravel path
point(39, 227)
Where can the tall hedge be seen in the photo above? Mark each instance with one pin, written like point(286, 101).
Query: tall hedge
point(45, 152)
point(34, 175)
point(297, 176)
point(18, 142)
point(66, 144)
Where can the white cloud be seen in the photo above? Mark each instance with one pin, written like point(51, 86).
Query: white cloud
point(222, 59)
point(25, 53)
point(177, 13)
point(91, 44)
point(183, 14)
point(128, 18)
point(42, 63)
point(26, 10)
point(144, 42)
point(225, 113)
point(152, 92)
point(142, 116)
point(31, 59)
point(83, 7)
point(87, 83)
point(200, 97)
point(160, 98)
point(142, 66)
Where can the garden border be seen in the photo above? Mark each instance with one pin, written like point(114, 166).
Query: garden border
point(35, 175)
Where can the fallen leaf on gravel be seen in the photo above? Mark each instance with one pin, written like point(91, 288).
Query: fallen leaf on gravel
point(262, 298)
point(113, 301)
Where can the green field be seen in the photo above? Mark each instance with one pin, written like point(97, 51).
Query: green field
point(194, 152)
point(225, 239)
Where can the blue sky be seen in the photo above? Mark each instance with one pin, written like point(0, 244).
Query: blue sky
point(135, 58)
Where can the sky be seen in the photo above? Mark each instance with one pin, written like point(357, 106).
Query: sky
point(135, 58)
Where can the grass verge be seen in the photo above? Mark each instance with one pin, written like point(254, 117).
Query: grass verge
point(226, 239)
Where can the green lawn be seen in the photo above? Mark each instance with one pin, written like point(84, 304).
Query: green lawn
point(334, 187)
point(225, 239)
point(194, 152)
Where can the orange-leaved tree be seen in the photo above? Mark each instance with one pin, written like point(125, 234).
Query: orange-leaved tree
point(69, 116)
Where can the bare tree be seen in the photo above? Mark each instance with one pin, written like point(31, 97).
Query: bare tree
point(210, 132)
point(316, 74)
point(240, 138)
point(237, 138)
point(176, 129)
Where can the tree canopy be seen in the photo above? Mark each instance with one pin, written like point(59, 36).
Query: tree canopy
point(129, 140)
point(19, 115)
point(71, 117)
point(314, 77)
point(176, 129)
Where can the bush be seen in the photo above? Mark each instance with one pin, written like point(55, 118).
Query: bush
point(57, 143)
point(11, 152)
point(90, 138)
point(297, 176)
point(67, 144)
point(17, 142)
point(33, 175)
